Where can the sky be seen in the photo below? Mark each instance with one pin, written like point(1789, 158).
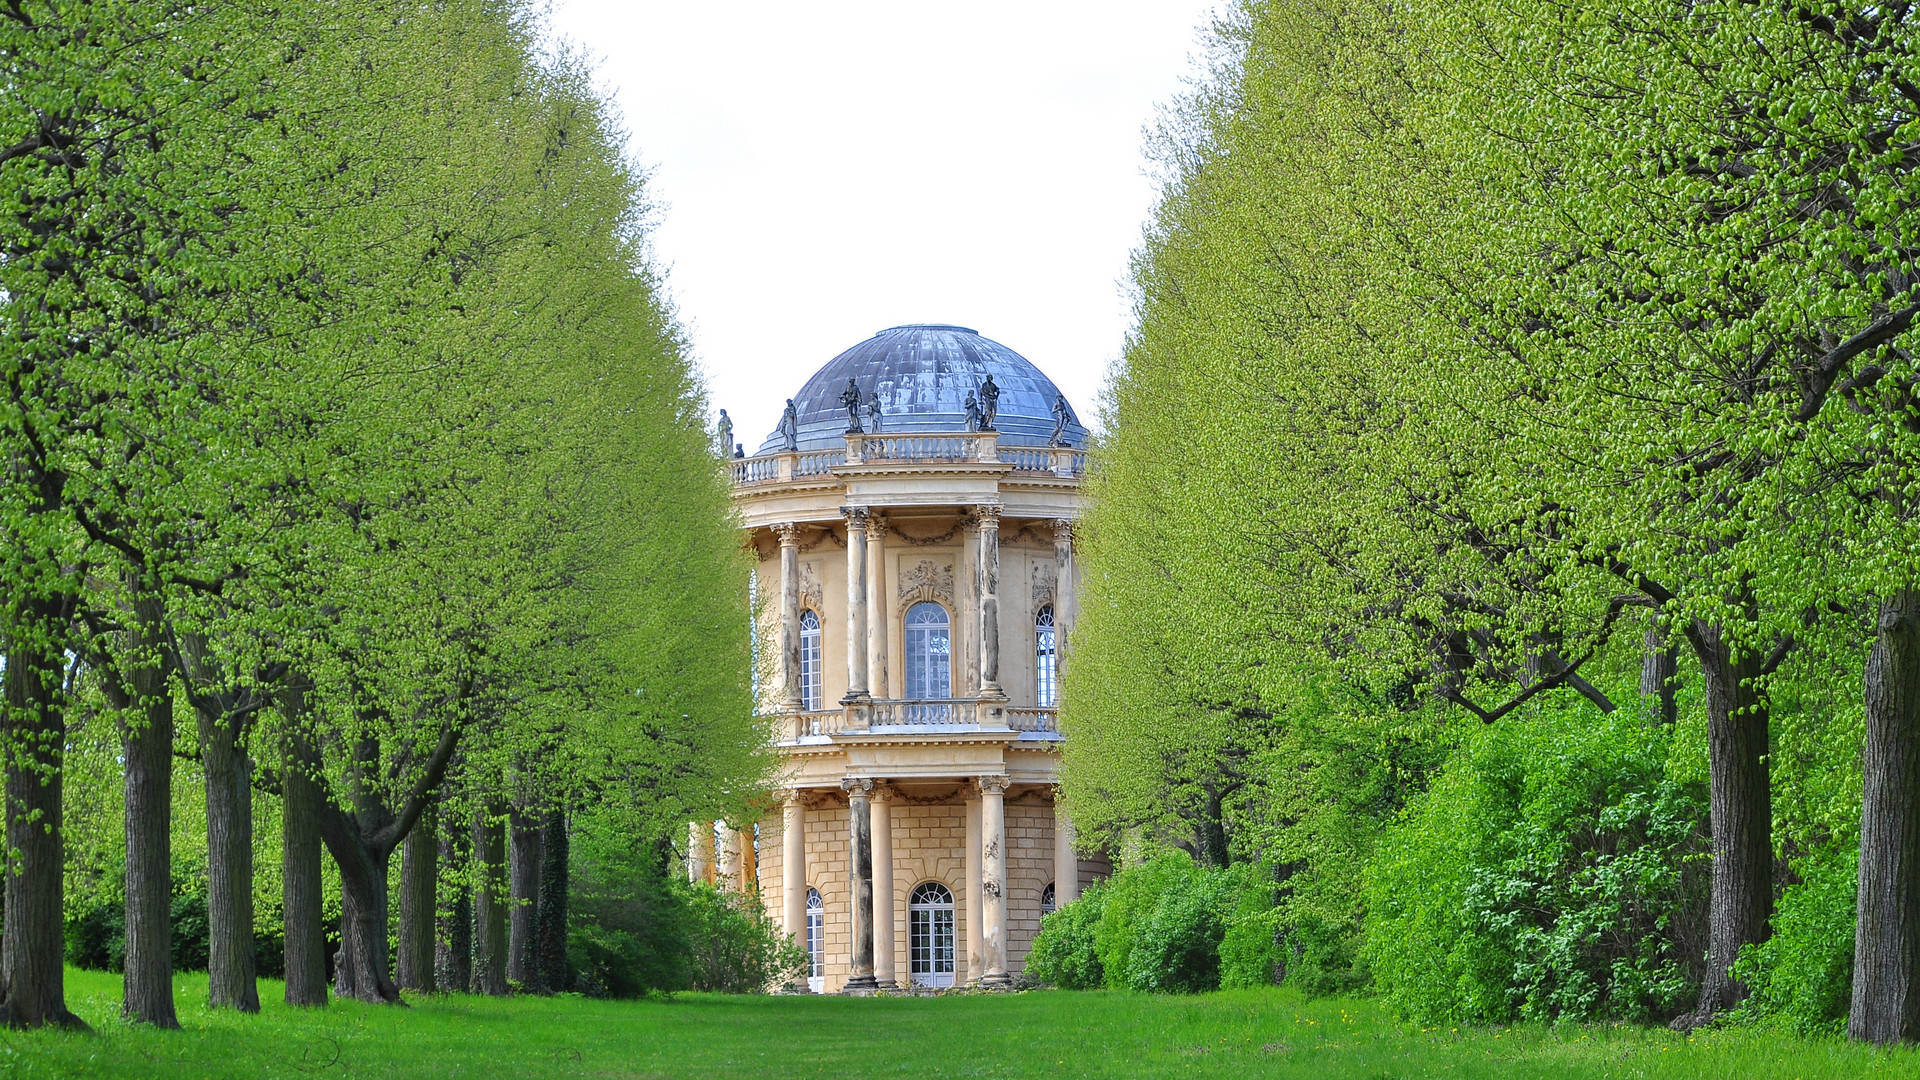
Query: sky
point(824, 171)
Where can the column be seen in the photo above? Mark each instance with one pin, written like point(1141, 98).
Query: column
point(749, 858)
point(972, 898)
point(993, 880)
point(789, 535)
point(727, 861)
point(990, 604)
point(884, 974)
point(856, 603)
point(860, 870)
point(793, 866)
point(966, 652)
point(877, 621)
point(1065, 602)
point(1066, 861)
point(699, 851)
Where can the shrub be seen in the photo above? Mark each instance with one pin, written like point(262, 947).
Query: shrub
point(1176, 949)
point(736, 947)
point(1804, 972)
point(1554, 870)
point(1064, 953)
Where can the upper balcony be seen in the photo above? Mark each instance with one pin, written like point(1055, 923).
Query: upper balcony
point(909, 450)
point(882, 716)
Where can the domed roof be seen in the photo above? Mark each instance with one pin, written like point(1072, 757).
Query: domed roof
point(923, 374)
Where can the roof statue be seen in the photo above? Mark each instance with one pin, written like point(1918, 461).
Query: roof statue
point(850, 400)
point(989, 403)
point(789, 431)
point(873, 413)
point(974, 417)
point(922, 374)
point(1062, 415)
point(726, 433)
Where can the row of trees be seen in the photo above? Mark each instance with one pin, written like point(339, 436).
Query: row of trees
point(1490, 354)
point(349, 448)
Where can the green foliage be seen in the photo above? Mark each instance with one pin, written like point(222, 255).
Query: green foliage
point(1803, 974)
point(1553, 871)
point(1063, 953)
point(1163, 926)
point(735, 946)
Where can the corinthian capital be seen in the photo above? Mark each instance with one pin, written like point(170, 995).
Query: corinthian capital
point(788, 534)
point(856, 516)
point(1063, 530)
point(857, 787)
point(993, 785)
point(987, 515)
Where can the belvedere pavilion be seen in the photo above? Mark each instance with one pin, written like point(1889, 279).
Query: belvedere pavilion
point(914, 511)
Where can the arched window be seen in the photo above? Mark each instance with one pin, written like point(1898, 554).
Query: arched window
point(1046, 659)
point(816, 942)
point(810, 666)
point(929, 652)
point(1046, 900)
point(930, 935)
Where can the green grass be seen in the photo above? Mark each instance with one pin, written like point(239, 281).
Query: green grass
point(1045, 1034)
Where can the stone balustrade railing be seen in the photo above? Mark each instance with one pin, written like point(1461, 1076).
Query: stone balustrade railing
point(967, 447)
point(885, 714)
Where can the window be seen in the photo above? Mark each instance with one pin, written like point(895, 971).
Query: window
point(1047, 900)
point(929, 652)
point(930, 935)
point(816, 942)
point(1046, 659)
point(810, 661)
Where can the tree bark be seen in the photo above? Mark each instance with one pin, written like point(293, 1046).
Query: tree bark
point(523, 862)
point(361, 967)
point(147, 750)
point(550, 949)
point(306, 939)
point(32, 940)
point(453, 950)
point(1659, 664)
point(419, 876)
point(1742, 814)
point(489, 907)
point(1886, 951)
point(231, 982)
point(147, 996)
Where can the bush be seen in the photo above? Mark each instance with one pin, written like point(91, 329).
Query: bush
point(1554, 870)
point(1804, 972)
point(635, 929)
point(736, 947)
point(1064, 954)
point(1159, 927)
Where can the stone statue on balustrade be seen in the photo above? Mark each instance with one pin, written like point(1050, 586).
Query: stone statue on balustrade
point(789, 429)
point(873, 413)
point(1062, 416)
point(973, 412)
point(726, 433)
point(850, 397)
point(989, 404)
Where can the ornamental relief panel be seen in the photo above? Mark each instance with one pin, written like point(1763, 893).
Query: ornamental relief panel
point(928, 577)
point(811, 594)
point(1043, 583)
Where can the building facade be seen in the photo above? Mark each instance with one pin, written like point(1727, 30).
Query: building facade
point(913, 520)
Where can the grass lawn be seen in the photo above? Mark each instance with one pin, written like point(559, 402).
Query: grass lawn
point(1044, 1034)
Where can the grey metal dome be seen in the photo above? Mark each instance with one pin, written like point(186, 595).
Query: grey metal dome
point(923, 374)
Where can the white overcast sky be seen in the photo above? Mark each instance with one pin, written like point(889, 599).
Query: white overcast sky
point(832, 169)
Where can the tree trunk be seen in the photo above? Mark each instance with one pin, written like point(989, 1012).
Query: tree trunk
point(361, 968)
point(230, 969)
point(32, 975)
point(419, 876)
point(1742, 815)
point(454, 949)
point(1659, 664)
point(1886, 950)
point(523, 861)
point(147, 996)
point(301, 886)
point(489, 907)
point(550, 934)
